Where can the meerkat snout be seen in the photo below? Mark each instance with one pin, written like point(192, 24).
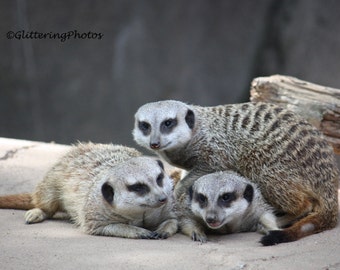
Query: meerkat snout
point(155, 145)
point(212, 220)
point(162, 200)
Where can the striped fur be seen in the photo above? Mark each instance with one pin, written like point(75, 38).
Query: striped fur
point(283, 154)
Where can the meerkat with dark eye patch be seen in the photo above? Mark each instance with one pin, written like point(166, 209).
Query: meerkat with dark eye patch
point(223, 203)
point(106, 190)
point(288, 158)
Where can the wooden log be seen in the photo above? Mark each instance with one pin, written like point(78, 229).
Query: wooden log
point(320, 105)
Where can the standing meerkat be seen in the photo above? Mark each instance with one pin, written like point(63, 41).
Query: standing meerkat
point(223, 202)
point(105, 189)
point(289, 160)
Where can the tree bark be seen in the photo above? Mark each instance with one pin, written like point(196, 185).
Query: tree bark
point(320, 105)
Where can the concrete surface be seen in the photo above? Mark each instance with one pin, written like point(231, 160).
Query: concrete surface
point(57, 244)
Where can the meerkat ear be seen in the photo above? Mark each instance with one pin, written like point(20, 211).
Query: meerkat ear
point(108, 192)
point(190, 119)
point(249, 193)
point(190, 192)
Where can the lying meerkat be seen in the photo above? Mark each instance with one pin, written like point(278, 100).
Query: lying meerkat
point(223, 202)
point(106, 190)
point(288, 158)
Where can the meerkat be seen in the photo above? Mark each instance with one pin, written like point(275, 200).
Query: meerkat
point(223, 202)
point(106, 189)
point(288, 158)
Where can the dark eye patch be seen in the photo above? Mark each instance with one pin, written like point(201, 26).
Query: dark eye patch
point(159, 180)
point(226, 199)
point(201, 199)
point(168, 125)
point(160, 163)
point(139, 188)
point(145, 127)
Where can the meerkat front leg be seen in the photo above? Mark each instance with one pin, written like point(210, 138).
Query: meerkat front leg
point(125, 231)
point(167, 228)
point(267, 223)
point(192, 229)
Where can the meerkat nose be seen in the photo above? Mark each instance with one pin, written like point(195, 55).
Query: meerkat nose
point(162, 200)
point(210, 220)
point(155, 145)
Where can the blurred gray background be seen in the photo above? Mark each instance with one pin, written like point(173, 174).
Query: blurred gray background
point(199, 51)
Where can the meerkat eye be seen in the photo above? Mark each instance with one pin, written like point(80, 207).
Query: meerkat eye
point(225, 199)
point(159, 179)
point(168, 125)
point(144, 127)
point(202, 200)
point(139, 188)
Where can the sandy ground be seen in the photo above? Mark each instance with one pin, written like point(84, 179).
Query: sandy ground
point(58, 244)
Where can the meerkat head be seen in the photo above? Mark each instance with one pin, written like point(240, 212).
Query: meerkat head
point(136, 185)
point(163, 125)
point(220, 198)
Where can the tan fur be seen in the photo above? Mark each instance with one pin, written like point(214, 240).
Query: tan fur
point(18, 201)
point(106, 190)
point(289, 159)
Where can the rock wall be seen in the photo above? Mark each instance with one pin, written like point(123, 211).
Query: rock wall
point(203, 52)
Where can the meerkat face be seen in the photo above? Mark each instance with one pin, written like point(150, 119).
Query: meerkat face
point(220, 198)
point(136, 185)
point(163, 125)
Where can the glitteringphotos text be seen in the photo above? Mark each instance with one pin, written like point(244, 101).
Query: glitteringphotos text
point(62, 37)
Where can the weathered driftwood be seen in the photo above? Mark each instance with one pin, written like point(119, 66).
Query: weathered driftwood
point(320, 105)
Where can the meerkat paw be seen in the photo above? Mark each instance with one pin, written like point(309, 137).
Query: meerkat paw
point(199, 236)
point(196, 234)
point(137, 233)
point(192, 229)
point(275, 237)
point(125, 231)
point(161, 235)
point(35, 215)
point(147, 235)
point(167, 229)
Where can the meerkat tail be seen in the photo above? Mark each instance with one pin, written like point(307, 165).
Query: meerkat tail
point(17, 201)
point(313, 223)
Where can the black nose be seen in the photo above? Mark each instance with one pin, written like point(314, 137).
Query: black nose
point(211, 220)
point(155, 145)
